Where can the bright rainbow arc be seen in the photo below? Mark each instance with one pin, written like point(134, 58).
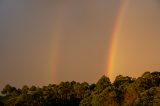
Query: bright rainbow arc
point(114, 38)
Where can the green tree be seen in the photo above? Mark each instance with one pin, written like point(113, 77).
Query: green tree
point(102, 83)
point(106, 98)
point(32, 88)
point(25, 89)
point(9, 90)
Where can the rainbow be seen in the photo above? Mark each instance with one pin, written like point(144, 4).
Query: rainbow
point(114, 38)
point(58, 42)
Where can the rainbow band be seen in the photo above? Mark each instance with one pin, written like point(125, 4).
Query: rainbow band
point(58, 40)
point(114, 38)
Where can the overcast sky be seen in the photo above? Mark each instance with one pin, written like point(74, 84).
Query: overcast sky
point(48, 41)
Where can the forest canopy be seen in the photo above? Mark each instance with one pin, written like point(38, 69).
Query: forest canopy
point(124, 91)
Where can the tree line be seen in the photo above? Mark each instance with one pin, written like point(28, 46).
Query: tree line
point(124, 91)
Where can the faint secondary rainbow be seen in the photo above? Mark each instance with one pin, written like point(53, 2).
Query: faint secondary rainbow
point(114, 38)
point(57, 43)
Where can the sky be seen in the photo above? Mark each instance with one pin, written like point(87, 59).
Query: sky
point(44, 42)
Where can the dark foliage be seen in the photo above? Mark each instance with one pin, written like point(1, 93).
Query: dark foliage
point(124, 91)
